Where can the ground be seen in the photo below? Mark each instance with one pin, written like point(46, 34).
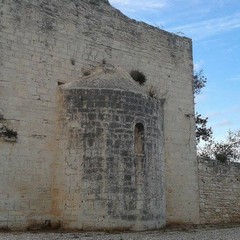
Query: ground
point(193, 234)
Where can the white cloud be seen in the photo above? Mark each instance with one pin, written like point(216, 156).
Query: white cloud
point(200, 99)
point(154, 5)
point(140, 4)
point(224, 112)
point(215, 114)
point(207, 28)
point(235, 109)
point(224, 123)
point(198, 65)
point(123, 2)
point(235, 79)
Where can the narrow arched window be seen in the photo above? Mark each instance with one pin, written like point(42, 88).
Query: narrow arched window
point(139, 139)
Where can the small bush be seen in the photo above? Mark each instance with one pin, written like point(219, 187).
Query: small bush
point(7, 132)
point(222, 157)
point(138, 76)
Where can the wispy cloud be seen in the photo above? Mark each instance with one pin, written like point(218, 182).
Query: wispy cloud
point(229, 111)
point(235, 79)
point(235, 109)
point(140, 4)
point(224, 123)
point(201, 98)
point(207, 28)
point(198, 65)
point(215, 114)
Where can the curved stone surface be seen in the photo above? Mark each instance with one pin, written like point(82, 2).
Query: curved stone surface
point(114, 151)
point(106, 77)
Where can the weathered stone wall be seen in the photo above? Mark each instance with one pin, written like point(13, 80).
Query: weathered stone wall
point(43, 43)
point(219, 188)
point(108, 185)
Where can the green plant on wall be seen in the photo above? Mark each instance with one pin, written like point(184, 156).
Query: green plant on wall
point(8, 133)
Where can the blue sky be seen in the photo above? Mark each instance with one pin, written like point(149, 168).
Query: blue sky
point(214, 26)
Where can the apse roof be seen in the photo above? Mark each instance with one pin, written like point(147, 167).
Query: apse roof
point(105, 77)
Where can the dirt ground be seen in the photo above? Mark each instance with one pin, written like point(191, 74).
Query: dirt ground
point(191, 234)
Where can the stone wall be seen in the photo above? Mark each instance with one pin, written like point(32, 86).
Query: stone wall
point(45, 43)
point(109, 184)
point(219, 188)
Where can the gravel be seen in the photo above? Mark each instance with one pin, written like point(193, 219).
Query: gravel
point(198, 234)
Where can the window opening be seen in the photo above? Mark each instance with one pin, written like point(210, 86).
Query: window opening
point(139, 139)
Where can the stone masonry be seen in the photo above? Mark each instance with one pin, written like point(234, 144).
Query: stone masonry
point(110, 181)
point(44, 44)
point(219, 188)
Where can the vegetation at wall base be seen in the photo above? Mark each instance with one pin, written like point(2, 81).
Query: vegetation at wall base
point(224, 151)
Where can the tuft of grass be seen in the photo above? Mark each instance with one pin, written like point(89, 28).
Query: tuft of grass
point(222, 157)
point(138, 76)
point(7, 132)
